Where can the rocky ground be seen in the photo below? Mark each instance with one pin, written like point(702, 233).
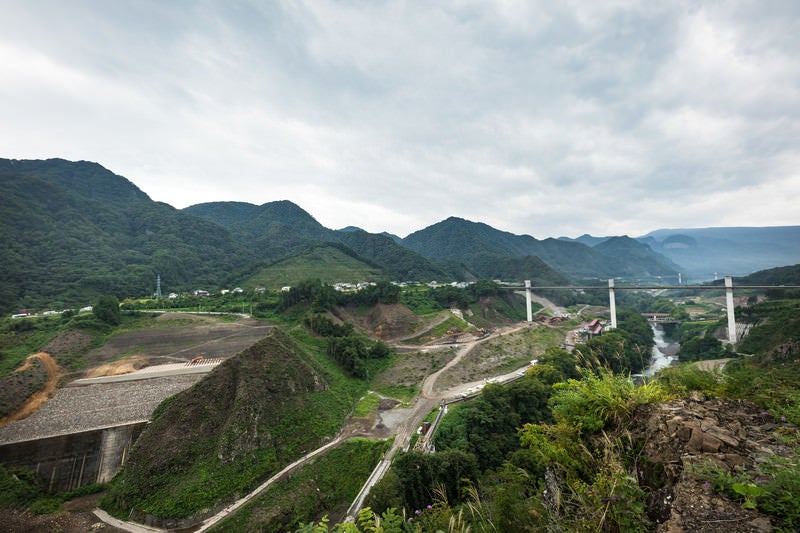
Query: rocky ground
point(76, 517)
point(681, 434)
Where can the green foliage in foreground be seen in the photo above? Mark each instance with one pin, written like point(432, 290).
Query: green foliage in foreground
point(626, 349)
point(592, 475)
point(22, 489)
point(590, 404)
point(448, 491)
point(774, 489)
point(316, 485)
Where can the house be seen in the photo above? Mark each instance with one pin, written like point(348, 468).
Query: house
point(595, 328)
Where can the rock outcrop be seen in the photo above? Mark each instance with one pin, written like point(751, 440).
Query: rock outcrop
point(683, 436)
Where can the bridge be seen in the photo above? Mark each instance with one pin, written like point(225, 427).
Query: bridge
point(660, 318)
point(612, 302)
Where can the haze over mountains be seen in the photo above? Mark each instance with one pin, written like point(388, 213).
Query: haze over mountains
point(71, 231)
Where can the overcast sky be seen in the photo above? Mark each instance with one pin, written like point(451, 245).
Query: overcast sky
point(541, 118)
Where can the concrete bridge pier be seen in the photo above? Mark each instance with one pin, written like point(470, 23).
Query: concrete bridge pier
point(612, 303)
point(729, 305)
point(528, 299)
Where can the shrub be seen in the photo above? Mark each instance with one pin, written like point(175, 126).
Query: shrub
point(597, 399)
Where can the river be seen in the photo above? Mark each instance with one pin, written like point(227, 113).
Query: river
point(664, 352)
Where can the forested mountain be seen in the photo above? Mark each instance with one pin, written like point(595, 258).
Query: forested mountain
point(399, 263)
point(727, 251)
point(277, 229)
point(461, 240)
point(788, 275)
point(628, 257)
point(70, 232)
point(272, 230)
point(704, 252)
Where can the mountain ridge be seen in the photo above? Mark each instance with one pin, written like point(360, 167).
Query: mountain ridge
point(73, 231)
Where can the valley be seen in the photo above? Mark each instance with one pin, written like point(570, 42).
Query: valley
point(432, 364)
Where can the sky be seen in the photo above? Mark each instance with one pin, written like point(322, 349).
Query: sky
point(536, 117)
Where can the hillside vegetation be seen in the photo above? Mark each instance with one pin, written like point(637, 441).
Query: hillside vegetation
point(470, 243)
point(73, 231)
point(570, 426)
point(325, 262)
point(568, 448)
point(254, 414)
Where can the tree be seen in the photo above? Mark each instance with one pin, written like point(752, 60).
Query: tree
point(107, 310)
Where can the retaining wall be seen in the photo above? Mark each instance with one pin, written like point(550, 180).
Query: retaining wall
point(70, 461)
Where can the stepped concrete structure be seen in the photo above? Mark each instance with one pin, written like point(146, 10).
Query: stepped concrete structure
point(84, 433)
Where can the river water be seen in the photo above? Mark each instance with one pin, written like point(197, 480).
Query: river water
point(663, 352)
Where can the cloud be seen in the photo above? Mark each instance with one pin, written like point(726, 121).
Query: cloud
point(536, 117)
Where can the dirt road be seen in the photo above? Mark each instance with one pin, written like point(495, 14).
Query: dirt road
point(424, 404)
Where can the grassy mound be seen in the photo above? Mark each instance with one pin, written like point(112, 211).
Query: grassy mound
point(254, 414)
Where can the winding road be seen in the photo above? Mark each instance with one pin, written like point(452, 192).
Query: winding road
point(424, 404)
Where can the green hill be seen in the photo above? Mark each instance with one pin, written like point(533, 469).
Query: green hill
point(272, 230)
point(70, 232)
point(254, 414)
point(460, 240)
point(399, 262)
point(278, 229)
point(327, 262)
point(632, 258)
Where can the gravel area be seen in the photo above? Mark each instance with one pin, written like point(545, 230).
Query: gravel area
point(76, 409)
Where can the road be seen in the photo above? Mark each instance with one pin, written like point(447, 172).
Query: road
point(425, 403)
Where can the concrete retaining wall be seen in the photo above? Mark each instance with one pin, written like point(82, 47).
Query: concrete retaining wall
point(70, 461)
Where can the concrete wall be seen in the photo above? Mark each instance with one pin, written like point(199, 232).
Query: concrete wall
point(70, 461)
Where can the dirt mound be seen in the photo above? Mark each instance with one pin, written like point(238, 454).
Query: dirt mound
point(68, 343)
point(384, 321)
point(28, 401)
point(123, 366)
point(256, 412)
point(680, 437)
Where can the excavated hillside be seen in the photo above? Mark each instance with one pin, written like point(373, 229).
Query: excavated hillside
point(252, 415)
point(386, 322)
